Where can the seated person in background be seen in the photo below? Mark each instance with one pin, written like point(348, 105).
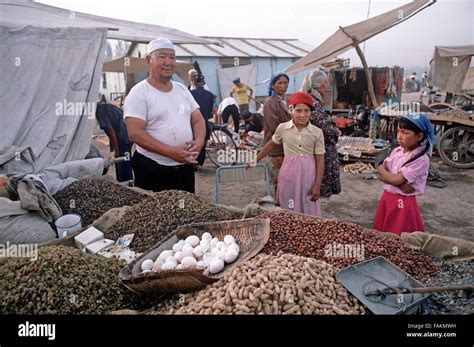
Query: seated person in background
point(253, 121)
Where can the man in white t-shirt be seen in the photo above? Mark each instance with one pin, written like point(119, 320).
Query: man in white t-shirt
point(165, 123)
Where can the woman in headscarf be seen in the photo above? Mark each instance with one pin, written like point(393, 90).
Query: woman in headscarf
point(275, 112)
point(315, 83)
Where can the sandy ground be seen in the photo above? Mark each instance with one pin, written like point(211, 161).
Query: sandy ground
point(448, 211)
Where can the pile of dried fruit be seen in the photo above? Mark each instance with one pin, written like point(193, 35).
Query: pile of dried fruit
point(92, 197)
point(162, 213)
point(341, 243)
point(268, 284)
point(64, 280)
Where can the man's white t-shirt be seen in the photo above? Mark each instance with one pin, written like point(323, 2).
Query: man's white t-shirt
point(167, 116)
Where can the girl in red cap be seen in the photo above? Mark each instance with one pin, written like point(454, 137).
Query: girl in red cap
point(299, 180)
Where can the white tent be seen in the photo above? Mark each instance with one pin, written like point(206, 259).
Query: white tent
point(19, 13)
point(449, 67)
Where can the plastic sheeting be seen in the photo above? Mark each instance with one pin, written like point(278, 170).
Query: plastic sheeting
point(48, 90)
point(339, 42)
point(27, 12)
point(449, 67)
point(247, 74)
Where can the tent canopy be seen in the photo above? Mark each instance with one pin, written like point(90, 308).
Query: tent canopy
point(20, 13)
point(449, 67)
point(138, 65)
point(342, 40)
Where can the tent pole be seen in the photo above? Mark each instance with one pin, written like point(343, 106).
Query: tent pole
point(370, 85)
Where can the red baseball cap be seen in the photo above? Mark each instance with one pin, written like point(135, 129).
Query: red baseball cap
point(301, 98)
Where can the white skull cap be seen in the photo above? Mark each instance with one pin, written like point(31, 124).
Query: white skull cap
point(158, 44)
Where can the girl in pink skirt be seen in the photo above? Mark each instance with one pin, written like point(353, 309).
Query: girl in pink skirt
point(301, 173)
point(404, 173)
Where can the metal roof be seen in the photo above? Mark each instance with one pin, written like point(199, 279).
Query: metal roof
point(245, 47)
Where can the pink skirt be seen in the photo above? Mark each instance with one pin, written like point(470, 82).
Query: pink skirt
point(398, 214)
point(295, 180)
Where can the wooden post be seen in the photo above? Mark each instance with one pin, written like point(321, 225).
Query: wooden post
point(370, 86)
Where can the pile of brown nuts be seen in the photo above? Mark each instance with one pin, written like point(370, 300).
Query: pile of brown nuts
point(162, 213)
point(269, 284)
point(64, 280)
point(92, 197)
point(341, 243)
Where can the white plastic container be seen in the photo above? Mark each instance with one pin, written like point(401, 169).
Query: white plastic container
point(68, 224)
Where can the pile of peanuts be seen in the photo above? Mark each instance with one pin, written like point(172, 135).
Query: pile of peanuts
point(319, 238)
point(269, 284)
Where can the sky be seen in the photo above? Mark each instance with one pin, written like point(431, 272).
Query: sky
point(446, 23)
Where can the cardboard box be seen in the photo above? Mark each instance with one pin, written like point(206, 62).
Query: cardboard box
point(98, 246)
point(88, 236)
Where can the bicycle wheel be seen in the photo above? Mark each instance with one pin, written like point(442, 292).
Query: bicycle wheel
point(221, 148)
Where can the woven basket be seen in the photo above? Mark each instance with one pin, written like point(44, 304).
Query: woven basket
point(250, 234)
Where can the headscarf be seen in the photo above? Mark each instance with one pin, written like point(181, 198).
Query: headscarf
point(273, 79)
point(312, 81)
point(422, 122)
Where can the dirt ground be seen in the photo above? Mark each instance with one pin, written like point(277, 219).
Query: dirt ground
point(448, 211)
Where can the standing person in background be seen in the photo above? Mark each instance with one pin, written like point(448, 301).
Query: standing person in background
point(164, 120)
point(300, 176)
point(243, 92)
point(275, 112)
point(110, 119)
point(205, 100)
point(229, 108)
point(191, 85)
point(315, 83)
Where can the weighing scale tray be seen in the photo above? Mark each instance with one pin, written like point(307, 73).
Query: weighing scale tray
point(379, 273)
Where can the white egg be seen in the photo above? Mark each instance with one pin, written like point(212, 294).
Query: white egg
point(216, 266)
point(188, 262)
point(205, 245)
point(165, 254)
point(157, 265)
point(221, 254)
point(206, 236)
point(220, 244)
point(206, 255)
point(171, 259)
point(230, 256)
point(229, 239)
point(168, 266)
point(235, 247)
point(178, 256)
point(144, 272)
point(177, 247)
point(200, 265)
point(206, 271)
point(198, 251)
point(214, 252)
point(147, 265)
point(214, 242)
point(187, 252)
point(192, 240)
point(179, 267)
